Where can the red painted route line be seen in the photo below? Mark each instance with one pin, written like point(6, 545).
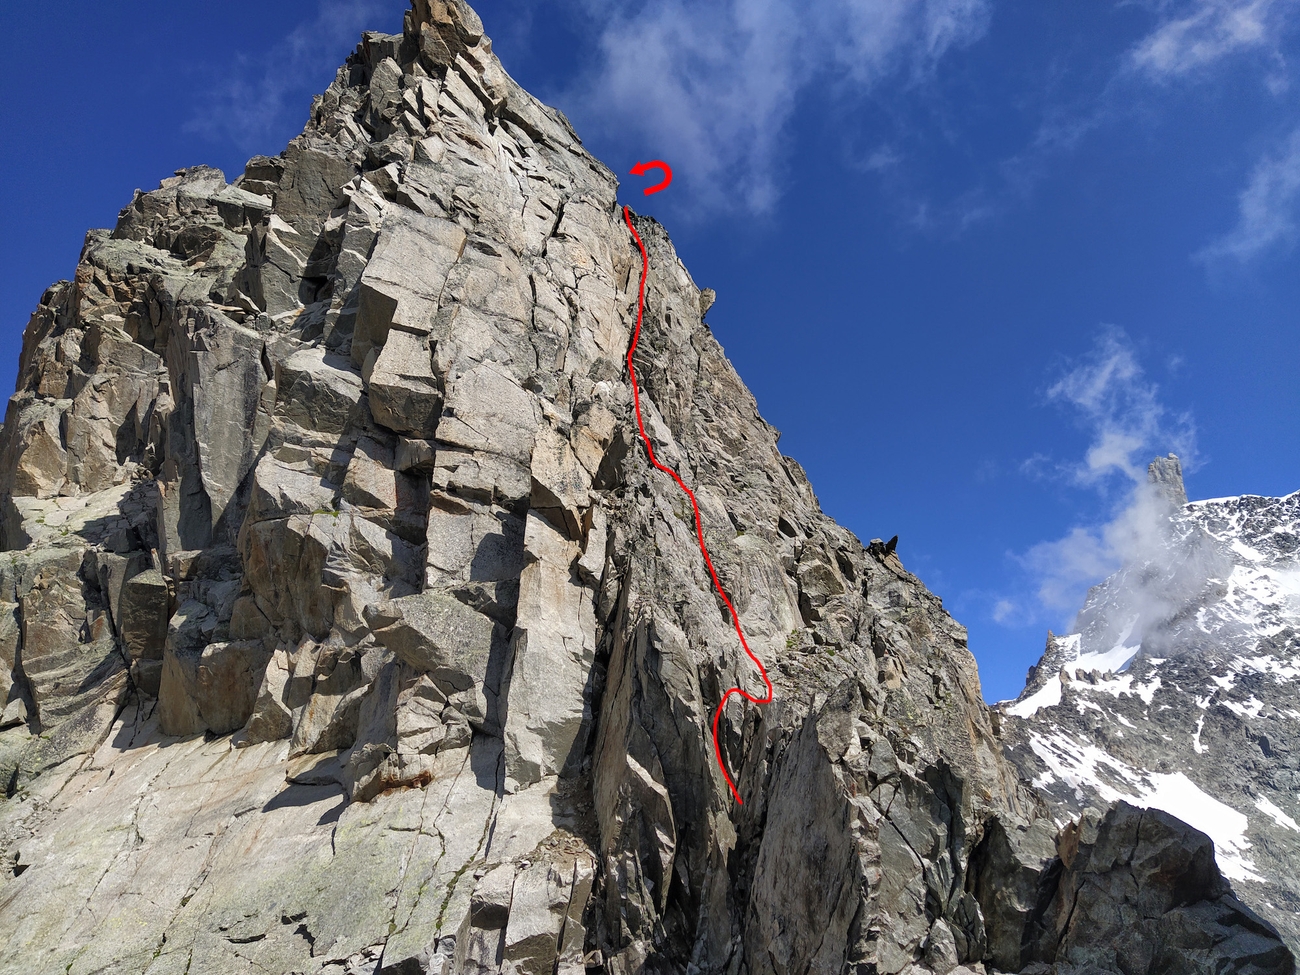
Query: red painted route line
point(699, 525)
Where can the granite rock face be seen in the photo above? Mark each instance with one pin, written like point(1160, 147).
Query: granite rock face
point(347, 629)
point(1179, 688)
point(1139, 891)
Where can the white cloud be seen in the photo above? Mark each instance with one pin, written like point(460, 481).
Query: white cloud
point(710, 85)
point(1127, 425)
point(1188, 41)
point(1003, 609)
point(1200, 35)
point(257, 100)
point(1112, 396)
point(884, 158)
point(1067, 567)
point(1205, 32)
point(1266, 209)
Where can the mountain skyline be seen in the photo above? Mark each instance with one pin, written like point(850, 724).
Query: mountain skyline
point(1177, 688)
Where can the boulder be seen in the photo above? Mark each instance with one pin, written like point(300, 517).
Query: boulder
point(144, 609)
point(479, 942)
point(539, 905)
point(271, 717)
point(212, 688)
point(437, 634)
point(1139, 892)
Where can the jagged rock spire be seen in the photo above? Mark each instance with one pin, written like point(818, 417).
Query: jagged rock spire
point(1166, 474)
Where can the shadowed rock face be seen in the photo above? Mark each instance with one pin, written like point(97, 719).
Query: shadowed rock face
point(349, 629)
point(1139, 891)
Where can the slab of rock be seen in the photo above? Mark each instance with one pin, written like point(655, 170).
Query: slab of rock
point(414, 455)
point(1013, 874)
point(40, 470)
point(553, 646)
point(318, 391)
point(487, 410)
point(371, 481)
point(13, 705)
point(145, 608)
point(233, 401)
point(469, 542)
point(271, 718)
point(404, 278)
point(1139, 891)
point(561, 485)
point(405, 394)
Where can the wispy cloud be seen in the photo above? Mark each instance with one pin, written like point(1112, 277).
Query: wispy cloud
point(255, 101)
point(1266, 210)
point(714, 83)
point(1189, 41)
point(1066, 568)
point(1192, 41)
point(1205, 32)
point(1109, 393)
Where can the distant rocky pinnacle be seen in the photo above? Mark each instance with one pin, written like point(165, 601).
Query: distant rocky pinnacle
point(346, 628)
point(1180, 690)
point(1165, 474)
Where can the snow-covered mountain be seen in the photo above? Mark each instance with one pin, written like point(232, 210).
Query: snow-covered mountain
point(1179, 687)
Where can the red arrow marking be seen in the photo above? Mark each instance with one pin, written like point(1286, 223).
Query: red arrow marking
point(640, 169)
point(699, 525)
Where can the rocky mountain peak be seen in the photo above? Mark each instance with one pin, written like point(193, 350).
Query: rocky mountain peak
point(1179, 690)
point(1165, 474)
point(345, 627)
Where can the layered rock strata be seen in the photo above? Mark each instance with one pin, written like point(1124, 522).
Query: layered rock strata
point(347, 629)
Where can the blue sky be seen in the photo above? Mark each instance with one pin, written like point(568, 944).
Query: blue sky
point(979, 260)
